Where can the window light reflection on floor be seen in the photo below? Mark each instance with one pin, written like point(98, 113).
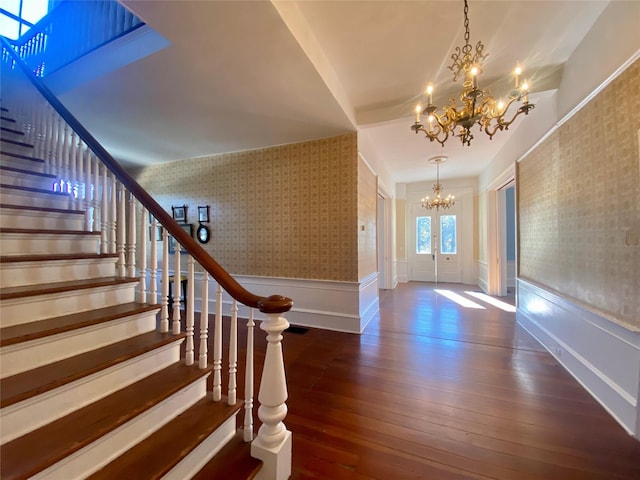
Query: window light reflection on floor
point(492, 301)
point(459, 299)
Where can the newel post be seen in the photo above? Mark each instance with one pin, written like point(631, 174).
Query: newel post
point(273, 442)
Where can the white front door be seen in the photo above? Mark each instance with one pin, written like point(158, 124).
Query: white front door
point(434, 247)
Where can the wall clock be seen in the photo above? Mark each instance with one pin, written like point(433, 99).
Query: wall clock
point(203, 234)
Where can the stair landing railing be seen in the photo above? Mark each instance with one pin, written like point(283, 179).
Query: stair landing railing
point(73, 29)
point(128, 218)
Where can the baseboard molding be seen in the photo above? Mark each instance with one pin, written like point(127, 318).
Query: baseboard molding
point(330, 305)
point(603, 357)
point(483, 276)
point(402, 267)
point(511, 274)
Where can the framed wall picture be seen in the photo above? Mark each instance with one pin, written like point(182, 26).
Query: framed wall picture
point(179, 213)
point(172, 241)
point(203, 233)
point(203, 214)
point(158, 236)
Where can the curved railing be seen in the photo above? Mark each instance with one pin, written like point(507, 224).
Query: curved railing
point(73, 29)
point(113, 201)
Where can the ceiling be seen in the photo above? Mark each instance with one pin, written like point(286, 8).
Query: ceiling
point(241, 75)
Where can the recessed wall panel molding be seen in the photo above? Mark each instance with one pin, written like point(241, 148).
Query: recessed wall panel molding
point(578, 199)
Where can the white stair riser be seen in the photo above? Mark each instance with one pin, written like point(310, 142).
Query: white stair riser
point(14, 274)
point(26, 416)
point(99, 453)
point(7, 146)
point(9, 161)
point(208, 448)
point(14, 218)
point(27, 355)
point(27, 198)
point(29, 309)
point(45, 243)
point(24, 180)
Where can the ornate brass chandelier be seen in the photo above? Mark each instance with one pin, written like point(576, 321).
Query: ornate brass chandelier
point(478, 106)
point(438, 202)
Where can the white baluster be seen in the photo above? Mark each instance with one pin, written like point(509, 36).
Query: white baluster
point(204, 321)
point(248, 382)
point(80, 183)
point(121, 230)
point(50, 140)
point(90, 212)
point(113, 209)
point(273, 442)
point(72, 171)
point(96, 193)
point(131, 237)
point(65, 158)
point(104, 201)
point(153, 262)
point(39, 140)
point(177, 284)
point(189, 355)
point(104, 212)
point(164, 312)
point(217, 347)
point(142, 256)
point(233, 354)
point(56, 147)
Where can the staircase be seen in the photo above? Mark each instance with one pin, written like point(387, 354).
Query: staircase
point(90, 387)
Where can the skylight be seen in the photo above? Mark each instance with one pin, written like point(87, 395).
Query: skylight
point(18, 16)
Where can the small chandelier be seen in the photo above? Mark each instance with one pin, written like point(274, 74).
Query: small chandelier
point(438, 202)
point(477, 105)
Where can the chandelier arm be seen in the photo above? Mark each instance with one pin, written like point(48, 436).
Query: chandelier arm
point(477, 106)
point(524, 108)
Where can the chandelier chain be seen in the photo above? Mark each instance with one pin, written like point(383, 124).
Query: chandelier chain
point(474, 106)
point(466, 22)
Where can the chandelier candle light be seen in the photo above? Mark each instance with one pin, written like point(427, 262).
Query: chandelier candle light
point(438, 202)
point(477, 105)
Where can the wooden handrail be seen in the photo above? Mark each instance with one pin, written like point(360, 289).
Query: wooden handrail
point(272, 304)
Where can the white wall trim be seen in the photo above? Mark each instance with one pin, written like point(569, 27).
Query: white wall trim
point(580, 105)
point(402, 267)
point(483, 275)
point(603, 356)
point(326, 304)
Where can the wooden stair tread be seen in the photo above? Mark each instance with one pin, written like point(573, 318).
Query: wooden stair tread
point(23, 157)
point(16, 142)
point(55, 257)
point(39, 191)
point(162, 450)
point(57, 287)
point(27, 172)
point(34, 382)
point(66, 323)
point(11, 130)
point(38, 450)
point(35, 231)
point(233, 462)
point(42, 209)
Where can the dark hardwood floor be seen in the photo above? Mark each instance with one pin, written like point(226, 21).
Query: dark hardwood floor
point(433, 390)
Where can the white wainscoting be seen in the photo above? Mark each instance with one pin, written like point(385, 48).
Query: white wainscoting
point(603, 356)
point(483, 276)
point(331, 305)
point(402, 267)
point(511, 273)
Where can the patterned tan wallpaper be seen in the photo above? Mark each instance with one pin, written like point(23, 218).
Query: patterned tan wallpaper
point(367, 214)
point(288, 211)
point(579, 205)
